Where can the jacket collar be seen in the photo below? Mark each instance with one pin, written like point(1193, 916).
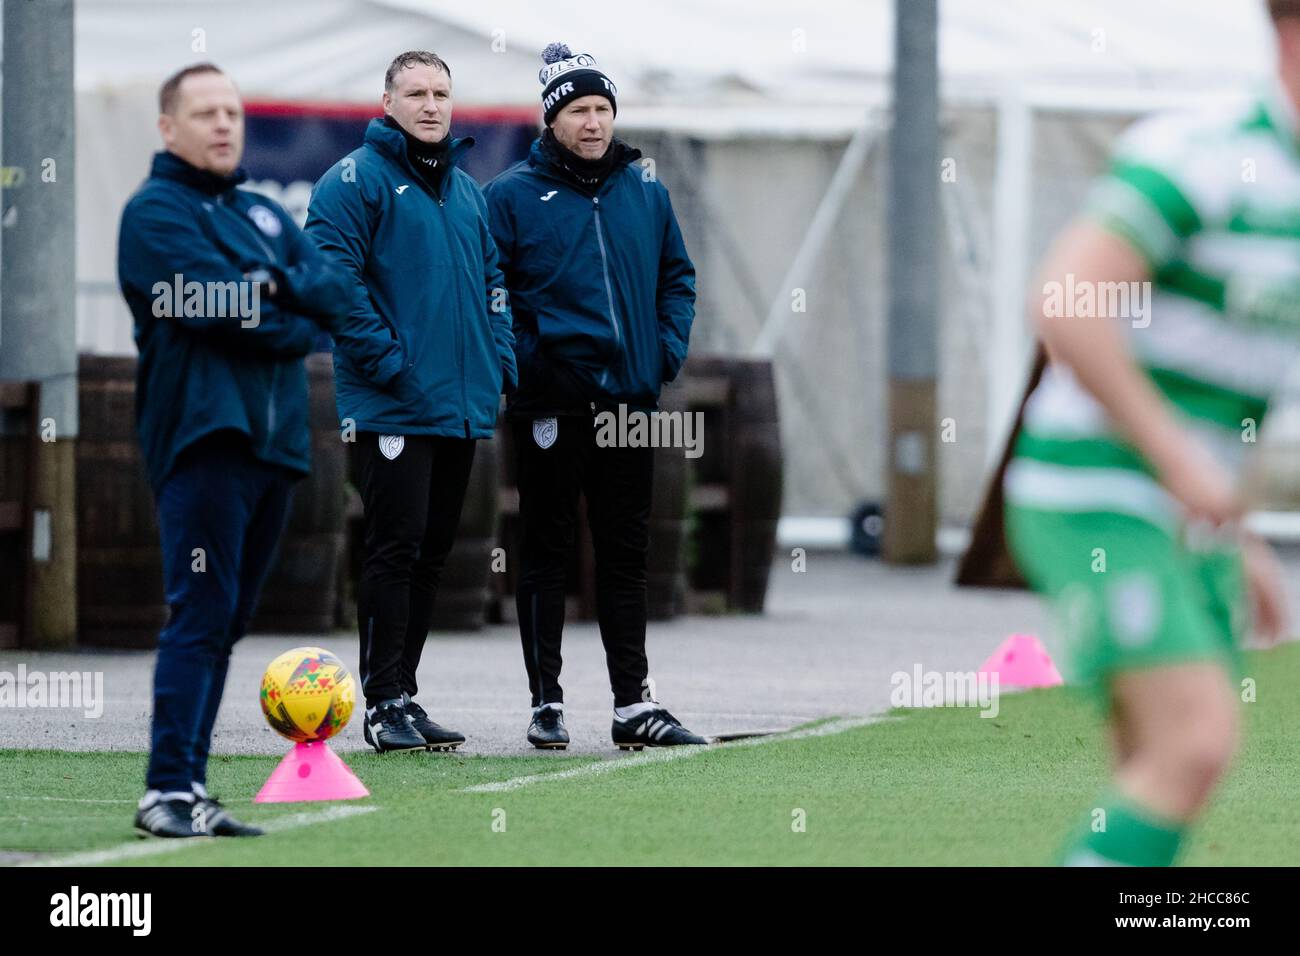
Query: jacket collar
point(541, 159)
point(391, 143)
point(168, 165)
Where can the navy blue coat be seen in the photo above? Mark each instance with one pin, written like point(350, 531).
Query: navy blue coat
point(425, 347)
point(602, 290)
point(201, 371)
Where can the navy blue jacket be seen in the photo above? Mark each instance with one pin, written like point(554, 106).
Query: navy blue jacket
point(201, 370)
point(602, 290)
point(425, 348)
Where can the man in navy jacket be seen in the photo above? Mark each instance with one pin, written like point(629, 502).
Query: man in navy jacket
point(603, 296)
point(421, 360)
point(227, 296)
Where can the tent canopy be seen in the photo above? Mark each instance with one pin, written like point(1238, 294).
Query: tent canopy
point(776, 60)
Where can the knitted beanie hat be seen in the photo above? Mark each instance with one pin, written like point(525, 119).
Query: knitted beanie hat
point(568, 76)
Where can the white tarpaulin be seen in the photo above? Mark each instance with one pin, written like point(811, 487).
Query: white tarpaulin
point(774, 55)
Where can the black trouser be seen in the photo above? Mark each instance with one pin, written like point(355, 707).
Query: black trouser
point(617, 482)
point(221, 498)
point(412, 507)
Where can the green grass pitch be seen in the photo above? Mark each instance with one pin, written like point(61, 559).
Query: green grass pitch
point(933, 787)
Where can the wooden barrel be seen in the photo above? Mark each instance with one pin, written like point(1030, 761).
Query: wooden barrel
point(757, 481)
point(120, 600)
point(300, 593)
point(119, 564)
point(735, 538)
point(666, 560)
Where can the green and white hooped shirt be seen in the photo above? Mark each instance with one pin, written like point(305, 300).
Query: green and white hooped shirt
point(1212, 201)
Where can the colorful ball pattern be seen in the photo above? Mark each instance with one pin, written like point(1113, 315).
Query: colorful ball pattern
point(307, 694)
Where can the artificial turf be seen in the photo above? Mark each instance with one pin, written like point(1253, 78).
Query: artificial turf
point(932, 787)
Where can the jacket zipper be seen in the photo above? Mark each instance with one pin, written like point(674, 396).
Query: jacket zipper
point(270, 408)
point(604, 261)
point(609, 291)
point(460, 331)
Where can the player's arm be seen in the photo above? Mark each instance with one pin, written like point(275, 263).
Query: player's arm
point(501, 236)
point(675, 295)
point(160, 240)
point(498, 310)
point(312, 284)
point(1266, 580)
point(339, 222)
point(1095, 350)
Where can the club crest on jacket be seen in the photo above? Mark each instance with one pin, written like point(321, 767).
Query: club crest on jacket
point(545, 431)
point(265, 220)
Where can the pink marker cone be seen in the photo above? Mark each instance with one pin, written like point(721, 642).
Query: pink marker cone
point(311, 772)
point(1022, 661)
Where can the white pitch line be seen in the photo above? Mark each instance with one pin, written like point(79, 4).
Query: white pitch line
point(669, 753)
point(131, 851)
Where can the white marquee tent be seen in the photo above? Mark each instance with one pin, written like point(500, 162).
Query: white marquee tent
point(681, 54)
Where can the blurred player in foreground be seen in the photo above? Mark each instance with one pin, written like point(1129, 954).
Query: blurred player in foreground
point(228, 296)
point(1124, 500)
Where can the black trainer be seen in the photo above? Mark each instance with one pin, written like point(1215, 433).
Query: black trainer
point(436, 737)
point(167, 818)
point(546, 732)
point(387, 728)
point(652, 728)
point(212, 818)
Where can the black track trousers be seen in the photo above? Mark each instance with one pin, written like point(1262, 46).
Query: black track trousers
point(617, 482)
point(412, 507)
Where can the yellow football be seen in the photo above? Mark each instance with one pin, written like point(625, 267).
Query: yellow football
point(307, 694)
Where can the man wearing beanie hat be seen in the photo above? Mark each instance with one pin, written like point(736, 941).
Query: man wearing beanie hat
point(603, 295)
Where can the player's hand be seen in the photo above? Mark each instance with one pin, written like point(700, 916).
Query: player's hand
point(1202, 486)
point(265, 279)
point(1264, 577)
